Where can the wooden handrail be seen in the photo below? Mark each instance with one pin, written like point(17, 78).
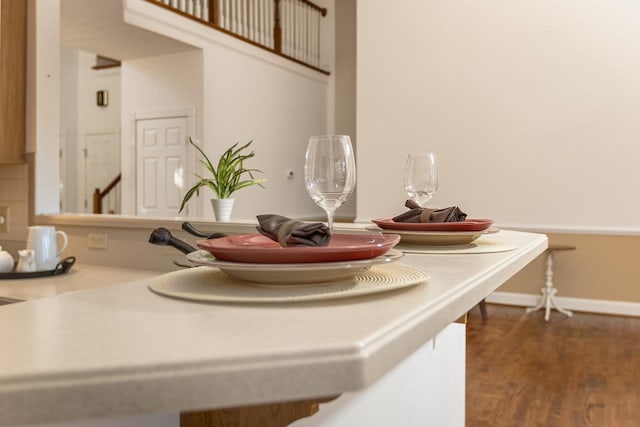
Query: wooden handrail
point(322, 10)
point(103, 62)
point(213, 22)
point(99, 195)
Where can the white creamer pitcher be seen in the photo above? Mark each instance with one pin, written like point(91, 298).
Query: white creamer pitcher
point(43, 240)
point(26, 263)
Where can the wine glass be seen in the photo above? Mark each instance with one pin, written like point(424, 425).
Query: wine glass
point(330, 172)
point(421, 177)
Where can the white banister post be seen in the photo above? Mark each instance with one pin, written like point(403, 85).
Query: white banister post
point(233, 16)
point(307, 39)
point(252, 20)
point(227, 17)
point(297, 35)
point(318, 34)
point(312, 36)
point(266, 18)
point(245, 29)
point(205, 10)
point(271, 22)
point(287, 27)
point(259, 27)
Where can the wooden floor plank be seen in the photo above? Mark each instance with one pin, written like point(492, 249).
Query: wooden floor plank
point(578, 371)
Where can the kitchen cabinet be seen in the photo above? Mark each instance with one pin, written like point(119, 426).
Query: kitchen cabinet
point(13, 66)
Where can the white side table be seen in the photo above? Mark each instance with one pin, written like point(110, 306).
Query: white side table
point(548, 291)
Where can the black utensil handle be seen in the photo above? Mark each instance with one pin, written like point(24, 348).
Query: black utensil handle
point(217, 235)
point(186, 226)
point(189, 228)
point(182, 246)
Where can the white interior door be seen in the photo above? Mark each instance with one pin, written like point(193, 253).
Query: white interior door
point(102, 162)
point(161, 162)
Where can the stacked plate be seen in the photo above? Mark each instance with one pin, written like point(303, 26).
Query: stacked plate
point(255, 258)
point(435, 233)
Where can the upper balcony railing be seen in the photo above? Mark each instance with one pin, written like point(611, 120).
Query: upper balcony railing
point(289, 28)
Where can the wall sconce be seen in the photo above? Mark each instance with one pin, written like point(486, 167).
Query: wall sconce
point(102, 98)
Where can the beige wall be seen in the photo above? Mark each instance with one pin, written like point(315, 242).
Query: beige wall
point(530, 105)
point(602, 267)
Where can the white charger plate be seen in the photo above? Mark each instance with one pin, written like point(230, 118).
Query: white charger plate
point(212, 285)
point(435, 237)
point(292, 274)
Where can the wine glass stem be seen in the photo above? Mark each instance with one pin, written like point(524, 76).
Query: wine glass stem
point(330, 220)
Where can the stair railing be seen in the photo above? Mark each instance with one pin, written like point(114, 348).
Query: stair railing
point(99, 195)
point(289, 28)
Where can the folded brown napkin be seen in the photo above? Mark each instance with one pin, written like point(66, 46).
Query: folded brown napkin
point(418, 214)
point(290, 232)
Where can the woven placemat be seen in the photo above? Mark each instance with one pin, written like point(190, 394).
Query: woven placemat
point(483, 245)
point(211, 284)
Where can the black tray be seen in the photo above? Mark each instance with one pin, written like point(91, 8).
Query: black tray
point(61, 268)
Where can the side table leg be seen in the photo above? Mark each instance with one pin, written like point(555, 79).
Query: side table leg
point(548, 291)
point(545, 301)
point(547, 305)
point(560, 309)
point(551, 291)
point(540, 304)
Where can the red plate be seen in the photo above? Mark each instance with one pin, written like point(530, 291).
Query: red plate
point(257, 248)
point(468, 225)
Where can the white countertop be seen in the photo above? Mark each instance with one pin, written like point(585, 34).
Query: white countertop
point(123, 350)
point(80, 277)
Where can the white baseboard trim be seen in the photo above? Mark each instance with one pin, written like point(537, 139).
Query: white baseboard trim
point(578, 304)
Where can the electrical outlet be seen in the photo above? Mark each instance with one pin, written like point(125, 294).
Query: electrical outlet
point(97, 240)
point(4, 219)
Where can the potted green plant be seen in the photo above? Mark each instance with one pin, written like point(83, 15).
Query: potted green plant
point(225, 179)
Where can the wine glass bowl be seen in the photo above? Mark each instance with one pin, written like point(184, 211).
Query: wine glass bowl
point(421, 177)
point(330, 172)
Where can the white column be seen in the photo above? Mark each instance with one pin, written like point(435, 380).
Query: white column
point(43, 102)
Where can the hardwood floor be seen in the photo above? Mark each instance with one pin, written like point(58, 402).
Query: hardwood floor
point(578, 371)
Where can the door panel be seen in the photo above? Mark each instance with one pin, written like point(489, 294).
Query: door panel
point(161, 162)
point(149, 184)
